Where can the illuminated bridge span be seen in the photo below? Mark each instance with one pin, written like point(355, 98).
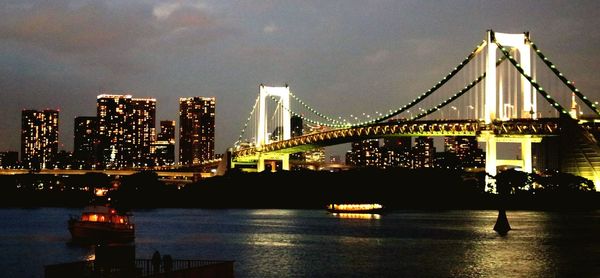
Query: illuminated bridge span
point(497, 100)
point(512, 129)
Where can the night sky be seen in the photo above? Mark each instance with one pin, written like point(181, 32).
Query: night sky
point(373, 55)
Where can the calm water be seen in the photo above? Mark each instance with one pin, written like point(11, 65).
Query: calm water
point(313, 243)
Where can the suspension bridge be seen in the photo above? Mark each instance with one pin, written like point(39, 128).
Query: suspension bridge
point(494, 94)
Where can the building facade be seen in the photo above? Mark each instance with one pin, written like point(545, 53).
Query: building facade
point(364, 153)
point(39, 138)
point(423, 153)
point(144, 130)
point(126, 130)
point(196, 129)
point(163, 149)
point(466, 149)
point(85, 142)
point(395, 152)
point(9, 160)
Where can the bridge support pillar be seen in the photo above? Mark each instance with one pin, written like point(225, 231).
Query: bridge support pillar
point(526, 155)
point(285, 162)
point(260, 166)
point(490, 158)
point(271, 160)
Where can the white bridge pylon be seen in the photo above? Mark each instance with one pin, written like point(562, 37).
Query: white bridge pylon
point(262, 136)
point(521, 43)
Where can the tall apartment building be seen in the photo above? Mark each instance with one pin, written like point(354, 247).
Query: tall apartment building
point(126, 130)
point(85, 142)
point(39, 138)
point(395, 152)
point(163, 148)
point(196, 129)
point(144, 130)
point(364, 153)
point(423, 153)
point(466, 150)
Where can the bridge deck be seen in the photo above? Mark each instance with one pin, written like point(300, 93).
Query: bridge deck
point(511, 128)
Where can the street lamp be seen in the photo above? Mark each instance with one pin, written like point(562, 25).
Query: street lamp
point(457, 112)
point(508, 108)
point(470, 108)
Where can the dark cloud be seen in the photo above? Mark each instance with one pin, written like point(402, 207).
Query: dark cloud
point(106, 34)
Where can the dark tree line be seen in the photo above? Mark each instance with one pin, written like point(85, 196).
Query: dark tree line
point(395, 188)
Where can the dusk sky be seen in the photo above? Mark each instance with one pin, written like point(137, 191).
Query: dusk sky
point(342, 57)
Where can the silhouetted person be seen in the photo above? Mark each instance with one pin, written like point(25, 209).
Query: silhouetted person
point(156, 262)
point(168, 261)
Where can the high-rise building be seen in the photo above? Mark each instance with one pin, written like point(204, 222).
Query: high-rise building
point(144, 130)
point(126, 130)
point(364, 153)
point(85, 142)
point(64, 160)
point(167, 131)
point(423, 153)
point(164, 147)
point(196, 129)
point(396, 152)
point(115, 146)
point(297, 129)
point(39, 138)
point(296, 126)
point(466, 150)
point(9, 160)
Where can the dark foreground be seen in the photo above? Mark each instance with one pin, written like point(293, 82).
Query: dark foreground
point(395, 189)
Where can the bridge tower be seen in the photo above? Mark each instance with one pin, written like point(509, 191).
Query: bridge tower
point(494, 99)
point(262, 136)
point(521, 43)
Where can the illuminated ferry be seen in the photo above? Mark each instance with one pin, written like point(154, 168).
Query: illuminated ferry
point(102, 223)
point(355, 208)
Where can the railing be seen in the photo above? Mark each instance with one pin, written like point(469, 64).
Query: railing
point(147, 268)
point(139, 268)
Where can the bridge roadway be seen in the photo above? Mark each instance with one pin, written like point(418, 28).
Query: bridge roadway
point(505, 131)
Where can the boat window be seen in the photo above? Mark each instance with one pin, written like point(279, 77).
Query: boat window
point(93, 217)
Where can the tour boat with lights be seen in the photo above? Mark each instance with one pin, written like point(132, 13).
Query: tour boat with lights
point(355, 208)
point(102, 223)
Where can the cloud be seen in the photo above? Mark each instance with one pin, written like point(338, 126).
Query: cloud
point(270, 28)
point(60, 28)
point(377, 57)
point(104, 34)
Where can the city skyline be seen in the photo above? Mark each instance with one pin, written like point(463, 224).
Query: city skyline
point(60, 55)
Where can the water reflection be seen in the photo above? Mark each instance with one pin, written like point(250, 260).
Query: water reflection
point(520, 253)
point(314, 243)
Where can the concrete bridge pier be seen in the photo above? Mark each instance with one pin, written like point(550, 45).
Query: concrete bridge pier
point(491, 160)
point(272, 160)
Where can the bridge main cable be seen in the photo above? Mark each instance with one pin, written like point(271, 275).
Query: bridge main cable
point(455, 96)
point(566, 81)
point(247, 121)
point(393, 113)
point(430, 91)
